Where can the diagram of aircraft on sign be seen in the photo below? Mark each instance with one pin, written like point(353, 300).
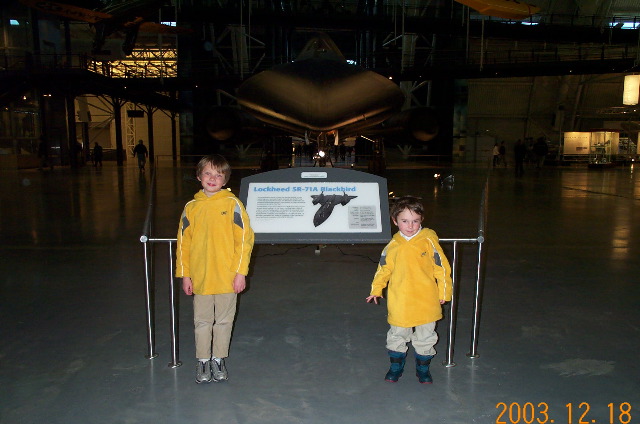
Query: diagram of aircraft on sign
point(129, 17)
point(321, 97)
point(327, 203)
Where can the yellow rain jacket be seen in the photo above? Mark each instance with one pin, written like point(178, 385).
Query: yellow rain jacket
point(215, 242)
point(418, 275)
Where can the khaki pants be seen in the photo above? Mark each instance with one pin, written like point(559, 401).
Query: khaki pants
point(213, 321)
point(422, 337)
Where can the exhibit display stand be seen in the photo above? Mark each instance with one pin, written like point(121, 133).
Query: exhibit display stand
point(317, 205)
point(601, 145)
point(599, 148)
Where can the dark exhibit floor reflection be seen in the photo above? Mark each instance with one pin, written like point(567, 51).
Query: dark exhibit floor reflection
point(559, 330)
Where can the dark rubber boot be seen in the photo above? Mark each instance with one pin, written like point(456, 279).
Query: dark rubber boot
point(422, 368)
point(397, 366)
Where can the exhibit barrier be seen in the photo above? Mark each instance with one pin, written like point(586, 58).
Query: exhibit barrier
point(149, 273)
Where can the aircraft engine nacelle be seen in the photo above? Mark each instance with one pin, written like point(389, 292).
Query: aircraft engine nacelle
point(423, 125)
point(224, 123)
point(420, 123)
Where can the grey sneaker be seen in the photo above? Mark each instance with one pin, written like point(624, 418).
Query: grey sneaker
point(219, 371)
point(203, 372)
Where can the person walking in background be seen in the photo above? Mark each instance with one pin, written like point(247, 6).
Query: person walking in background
point(520, 152)
point(97, 154)
point(142, 153)
point(417, 276)
point(213, 251)
point(503, 154)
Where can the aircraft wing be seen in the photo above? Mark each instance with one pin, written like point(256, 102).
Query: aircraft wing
point(68, 11)
point(320, 95)
point(418, 124)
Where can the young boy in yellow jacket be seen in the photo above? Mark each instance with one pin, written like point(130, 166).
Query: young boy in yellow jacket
point(418, 276)
point(214, 247)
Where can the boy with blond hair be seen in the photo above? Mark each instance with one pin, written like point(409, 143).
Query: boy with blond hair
point(213, 251)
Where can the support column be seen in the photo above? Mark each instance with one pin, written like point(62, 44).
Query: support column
point(117, 116)
point(150, 111)
point(76, 152)
point(174, 141)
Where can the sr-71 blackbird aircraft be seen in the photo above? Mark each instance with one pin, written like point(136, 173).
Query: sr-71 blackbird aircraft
point(327, 203)
point(321, 97)
point(127, 16)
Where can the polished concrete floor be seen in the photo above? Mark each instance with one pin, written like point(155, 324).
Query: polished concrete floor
point(559, 330)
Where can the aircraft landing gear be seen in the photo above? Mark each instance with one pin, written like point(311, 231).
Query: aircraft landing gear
point(322, 157)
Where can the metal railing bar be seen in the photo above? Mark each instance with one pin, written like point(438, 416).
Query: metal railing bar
point(175, 362)
point(442, 240)
point(459, 240)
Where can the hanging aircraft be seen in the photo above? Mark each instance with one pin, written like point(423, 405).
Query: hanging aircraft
point(129, 17)
point(320, 97)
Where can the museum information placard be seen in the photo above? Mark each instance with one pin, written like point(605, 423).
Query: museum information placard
point(304, 205)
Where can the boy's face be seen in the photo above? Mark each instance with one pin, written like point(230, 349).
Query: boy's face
point(408, 222)
point(212, 180)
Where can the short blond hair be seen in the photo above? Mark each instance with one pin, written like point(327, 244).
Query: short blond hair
point(218, 163)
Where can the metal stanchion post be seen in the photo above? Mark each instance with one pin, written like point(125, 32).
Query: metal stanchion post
point(151, 342)
point(175, 362)
point(477, 306)
point(453, 312)
point(144, 238)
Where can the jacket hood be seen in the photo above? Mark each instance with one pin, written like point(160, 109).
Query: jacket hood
point(425, 233)
point(222, 194)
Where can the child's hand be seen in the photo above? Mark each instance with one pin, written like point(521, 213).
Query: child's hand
point(187, 285)
point(239, 283)
point(442, 301)
point(373, 298)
